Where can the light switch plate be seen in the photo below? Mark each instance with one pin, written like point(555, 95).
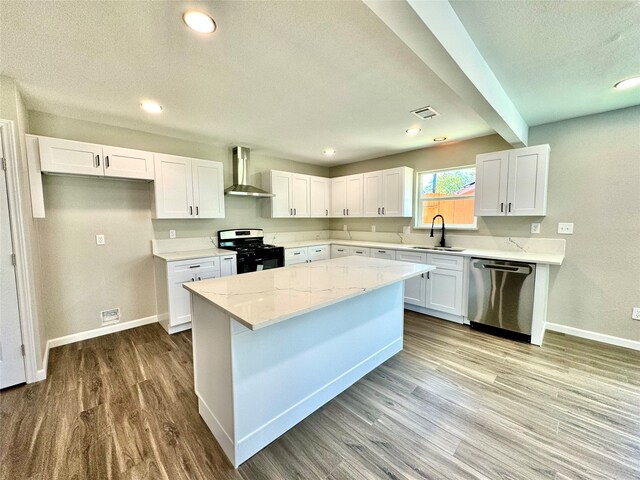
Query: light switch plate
point(535, 228)
point(100, 239)
point(635, 313)
point(565, 228)
point(172, 234)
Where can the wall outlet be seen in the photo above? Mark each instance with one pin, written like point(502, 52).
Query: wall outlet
point(344, 227)
point(100, 239)
point(565, 228)
point(406, 230)
point(109, 317)
point(535, 228)
point(635, 313)
point(172, 234)
point(373, 229)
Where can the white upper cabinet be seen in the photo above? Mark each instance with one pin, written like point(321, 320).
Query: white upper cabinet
point(355, 195)
point(388, 193)
point(291, 192)
point(187, 188)
point(78, 158)
point(128, 163)
point(339, 197)
point(67, 156)
point(319, 196)
point(512, 182)
point(208, 188)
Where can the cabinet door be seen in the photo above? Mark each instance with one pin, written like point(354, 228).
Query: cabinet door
point(396, 192)
point(67, 156)
point(128, 163)
point(491, 184)
point(208, 189)
point(180, 298)
point(444, 291)
point(355, 195)
point(319, 196)
point(228, 266)
point(282, 188)
point(339, 197)
point(293, 256)
point(527, 184)
point(383, 253)
point(173, 187)
point(415, 289)
point(372, 196)
point(300, 195)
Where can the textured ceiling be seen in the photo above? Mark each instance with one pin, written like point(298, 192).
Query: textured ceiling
point(558, 59)
point(286, 78)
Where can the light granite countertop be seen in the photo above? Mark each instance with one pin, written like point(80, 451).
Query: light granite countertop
point(259, 299)
point(192, 254)
point(546, 258)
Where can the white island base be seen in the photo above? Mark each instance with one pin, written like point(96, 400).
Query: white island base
point(254, 385)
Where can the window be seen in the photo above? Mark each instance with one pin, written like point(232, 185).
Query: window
point(450, 193)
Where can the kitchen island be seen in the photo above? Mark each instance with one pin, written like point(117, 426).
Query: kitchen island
point(271, 347)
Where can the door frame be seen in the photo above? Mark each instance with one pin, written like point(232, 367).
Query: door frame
point(23, 278)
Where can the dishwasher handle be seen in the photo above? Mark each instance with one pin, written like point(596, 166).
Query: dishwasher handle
point(503, 268)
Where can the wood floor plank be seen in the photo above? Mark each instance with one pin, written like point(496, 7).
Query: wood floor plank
point(455, 403)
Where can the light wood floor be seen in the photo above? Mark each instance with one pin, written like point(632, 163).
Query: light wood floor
point(454, 404)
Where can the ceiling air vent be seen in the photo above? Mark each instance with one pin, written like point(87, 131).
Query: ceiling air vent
point(425, 112)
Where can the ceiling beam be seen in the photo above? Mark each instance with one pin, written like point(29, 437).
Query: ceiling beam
point(433, 31)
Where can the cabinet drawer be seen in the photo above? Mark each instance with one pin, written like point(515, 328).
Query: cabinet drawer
point(338, 251)
point(362, 252)
point(319, 252)
point(411, 257)
point(383, 253)
point(199, 264)
point(448, 262)
point(293, 256)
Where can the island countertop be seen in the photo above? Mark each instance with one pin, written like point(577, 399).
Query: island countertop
point(259, 299)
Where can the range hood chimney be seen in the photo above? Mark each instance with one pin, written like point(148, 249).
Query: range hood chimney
point(241, 185)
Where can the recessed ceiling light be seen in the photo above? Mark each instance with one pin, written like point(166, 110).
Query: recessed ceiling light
point(439, 139)
point(199, 21)
point(329, 151)
point(413, 131)
point(628, 83)
point(151, 107)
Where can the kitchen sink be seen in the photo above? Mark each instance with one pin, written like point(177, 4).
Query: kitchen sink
point(440, 249)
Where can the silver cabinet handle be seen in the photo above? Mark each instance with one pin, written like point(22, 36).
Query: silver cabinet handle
point(190, 210)
point(97, 161)
point(501, 207)
point(382, 251)
point(199, 278)
point(291, 211)
point(296, 253)
point(344, 211)
point(295, 212)
point(326, 212)
point(228, 258)
point(422, 275)
point(428, 276)
point(193, 279)
point(197, 210)
point(509, 207)
point(383, 210)
point(194, 266)
point(378, 210)
point(347, 211)
point(106, 161)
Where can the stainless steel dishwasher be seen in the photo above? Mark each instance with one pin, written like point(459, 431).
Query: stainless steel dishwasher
point(501, 297)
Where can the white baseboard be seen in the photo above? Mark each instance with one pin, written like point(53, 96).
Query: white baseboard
point(86, 335)
point(598, 337)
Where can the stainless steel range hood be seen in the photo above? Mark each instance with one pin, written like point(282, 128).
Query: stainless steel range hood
point(241, 185)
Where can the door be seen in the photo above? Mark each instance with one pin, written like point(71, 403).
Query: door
point(527, 184)
point(319, 196)
point(300, 195)
point(173, 187)
point(128, 163)
point(67, 156)
point(12, 369)
point(444, 291)
point(282, 188)
point(355, 195)
point(372, 194)
point(415, 289)
point(339, 197)
point(208, 189)
point(491, 183)
point(228, 266)
point(393, 192)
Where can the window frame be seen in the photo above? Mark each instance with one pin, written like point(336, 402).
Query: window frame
point(418, 225)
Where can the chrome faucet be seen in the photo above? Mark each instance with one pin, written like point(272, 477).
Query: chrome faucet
point(432, 222)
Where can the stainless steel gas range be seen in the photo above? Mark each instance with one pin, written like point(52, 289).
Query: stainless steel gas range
point(253, 254)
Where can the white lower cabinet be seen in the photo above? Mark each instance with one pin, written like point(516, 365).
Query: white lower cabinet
point(415, 289)
point(174, 301)
point(293, 256)
point(444, 291)
point(338, 251)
